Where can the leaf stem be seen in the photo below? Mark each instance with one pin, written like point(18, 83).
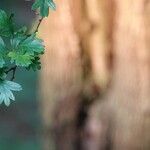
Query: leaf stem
point(39, 23)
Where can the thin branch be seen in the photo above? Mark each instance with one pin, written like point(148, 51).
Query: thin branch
point(14, 72)
point(13, 69)
point(39, 23)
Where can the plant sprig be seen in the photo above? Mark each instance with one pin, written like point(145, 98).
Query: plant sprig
point(22, 50)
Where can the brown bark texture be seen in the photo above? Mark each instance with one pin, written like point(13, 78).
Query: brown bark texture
point(95, 81)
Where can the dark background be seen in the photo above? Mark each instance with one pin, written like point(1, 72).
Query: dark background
point(20, 125)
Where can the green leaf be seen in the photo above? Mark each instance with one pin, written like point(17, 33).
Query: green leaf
point(25, 48)
point(6, 88)
point(6, 25)
point(43, 6)
point(2, 73)
point(35, 65)
point(22, 30)
point(2, 52)
point(20, 59)
point(28, 45)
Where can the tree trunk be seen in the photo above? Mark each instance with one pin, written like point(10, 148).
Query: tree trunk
point(81, 107)
point(122, 121)
point(60, 78)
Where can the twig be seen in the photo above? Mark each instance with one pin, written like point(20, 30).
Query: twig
point(14, 72)
point(13, 69)
point(39, 23)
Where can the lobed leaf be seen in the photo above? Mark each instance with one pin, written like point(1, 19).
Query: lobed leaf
point(43, 6)
point(6, 88)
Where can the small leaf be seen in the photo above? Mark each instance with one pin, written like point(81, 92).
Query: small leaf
point(20, 59)
point(2, 73)
point(6, 25)
point(28, 45)
point(43, 6)
point(35, 65)
point(25, 48)
point(2, 52)
point(6, 88)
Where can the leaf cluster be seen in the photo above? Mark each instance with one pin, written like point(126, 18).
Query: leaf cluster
point(18, 48)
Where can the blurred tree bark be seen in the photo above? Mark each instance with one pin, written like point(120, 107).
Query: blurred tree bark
point(61, 77)
point(95, 82)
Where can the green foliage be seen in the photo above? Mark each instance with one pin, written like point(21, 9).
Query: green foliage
point(6, 88)
point(23, 50)
point(6, 24)
point(43, 6)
